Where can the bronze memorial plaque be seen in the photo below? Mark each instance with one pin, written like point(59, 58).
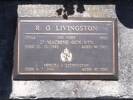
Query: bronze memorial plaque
point(78, 48)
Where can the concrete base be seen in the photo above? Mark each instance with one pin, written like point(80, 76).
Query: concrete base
point(123, 88)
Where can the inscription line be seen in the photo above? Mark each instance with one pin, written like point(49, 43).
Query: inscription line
point(86, 21)
point(67, 33)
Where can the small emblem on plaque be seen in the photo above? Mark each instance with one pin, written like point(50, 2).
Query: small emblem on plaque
point(66, 55)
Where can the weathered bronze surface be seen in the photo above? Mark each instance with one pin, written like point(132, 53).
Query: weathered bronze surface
point(50, 48)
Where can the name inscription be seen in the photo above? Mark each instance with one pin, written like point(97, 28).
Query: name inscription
point(58, 28)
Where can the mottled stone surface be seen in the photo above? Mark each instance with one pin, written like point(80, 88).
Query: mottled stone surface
point(123, 88)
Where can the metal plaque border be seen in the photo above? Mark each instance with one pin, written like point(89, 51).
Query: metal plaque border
point(30, 76)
